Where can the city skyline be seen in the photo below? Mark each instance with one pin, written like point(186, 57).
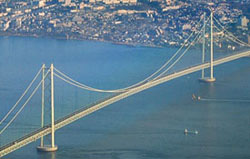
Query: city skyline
point(152, 23)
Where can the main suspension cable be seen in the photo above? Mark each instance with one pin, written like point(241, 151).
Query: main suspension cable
point(178, 59)
point(24, 93)
point(26, 102)
point(230, 37)
point(230, 34)
point(83, 86)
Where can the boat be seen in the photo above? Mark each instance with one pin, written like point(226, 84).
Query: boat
point(190, 132)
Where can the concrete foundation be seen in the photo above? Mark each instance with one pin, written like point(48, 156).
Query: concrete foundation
point(47, 148)
point(207, 80)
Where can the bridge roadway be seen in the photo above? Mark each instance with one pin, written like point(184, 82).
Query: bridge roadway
point(101, 104)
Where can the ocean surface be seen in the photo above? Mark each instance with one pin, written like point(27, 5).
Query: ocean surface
point(147, 125)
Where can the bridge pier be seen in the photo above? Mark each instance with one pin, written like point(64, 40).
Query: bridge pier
point(52, 147)
point(47, 148)
point(207, 80)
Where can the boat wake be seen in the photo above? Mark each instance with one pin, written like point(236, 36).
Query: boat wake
point(199, 98)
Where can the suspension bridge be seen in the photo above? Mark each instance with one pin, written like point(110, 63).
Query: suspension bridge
point(158, 77)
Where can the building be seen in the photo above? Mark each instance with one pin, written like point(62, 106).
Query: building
point(41, 3)
point(19, 22)
point(244, 21)
point(186, 27)
point(169, 2)
point(67, 2)
point(114, 1)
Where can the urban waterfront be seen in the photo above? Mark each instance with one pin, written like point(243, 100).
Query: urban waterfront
point(146, 125)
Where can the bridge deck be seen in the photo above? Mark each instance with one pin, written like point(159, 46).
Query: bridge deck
point(101, 104)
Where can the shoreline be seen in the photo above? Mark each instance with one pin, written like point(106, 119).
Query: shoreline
point(63, 37)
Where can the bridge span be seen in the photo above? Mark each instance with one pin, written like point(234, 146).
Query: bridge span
point(4, 150)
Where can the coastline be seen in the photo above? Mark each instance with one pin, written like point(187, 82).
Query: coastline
point(64, 37)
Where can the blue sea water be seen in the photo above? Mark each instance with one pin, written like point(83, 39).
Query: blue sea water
point(148, 125)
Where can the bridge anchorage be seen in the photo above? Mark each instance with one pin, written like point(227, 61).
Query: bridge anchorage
point(211, 78)
point(52, 147)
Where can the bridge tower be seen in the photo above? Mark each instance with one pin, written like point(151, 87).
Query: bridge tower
point(203, 46)
point(211, 78)
point(52, 147)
